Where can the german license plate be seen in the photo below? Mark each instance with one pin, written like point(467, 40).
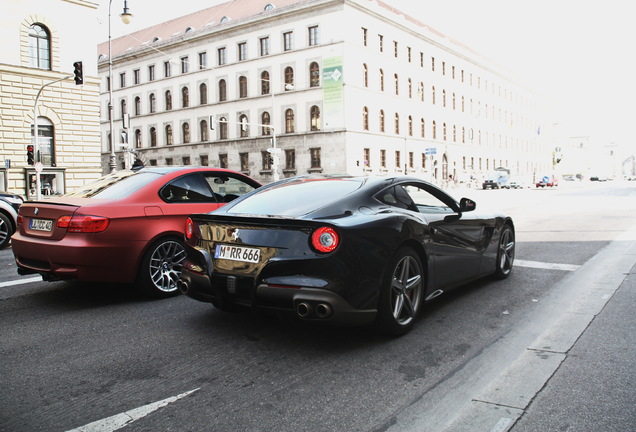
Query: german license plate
point(41, 224)
point(237, 253)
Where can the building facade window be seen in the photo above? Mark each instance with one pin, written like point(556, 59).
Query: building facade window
point(138, 138)
point(266, 161)
point(289, 121)
point(203, 94)
point(365, 38)
point(137, 106)
point(223, 160)
point(381, 119)
point(313, 36)
point(242, 87)
point(222, 128)
point(266, 121)
point(222, 91)
point(314, 154)
point(245, 161)
point(397, 124)
point(151, 73)
point(381, 80)
point(314, 114)
point(365, 118)
point(288, 41)
point(169, 137)
point(168, 100)
point(221, 56)
point(242, 51)
point(136, 76)
point(203, 60)
point(365, 75)
point(290, 159)
point(185, 65)
point(152, 103)
point(167, 69)
point(289, 78)
point(39, 47)
point(366, 158)
point(263, 44)
point(244, 126)
point(265, 83)
point(46, 141)
point(185, 133)
point(185, 97)
point(383, 159)
point(153, 137)
point(203, 130)
point(314, 75)
point(397, 84)
point(122, 80)
point(124, 108)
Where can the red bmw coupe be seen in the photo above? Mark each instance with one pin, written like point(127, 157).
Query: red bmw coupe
point(126, 227)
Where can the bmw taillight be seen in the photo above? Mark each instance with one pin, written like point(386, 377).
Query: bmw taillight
point(189, 228)
point(83, 224)
point(325, 239)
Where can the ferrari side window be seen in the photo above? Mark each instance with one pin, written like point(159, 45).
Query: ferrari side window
point(190, 188)
point(425, 201)
point(397, 197)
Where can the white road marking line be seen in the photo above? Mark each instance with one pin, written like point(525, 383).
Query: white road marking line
point(548, 266)
point(502, 425)
point(120, 420)
point(21, 281)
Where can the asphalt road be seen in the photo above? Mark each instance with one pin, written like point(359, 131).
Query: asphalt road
point(101, 358)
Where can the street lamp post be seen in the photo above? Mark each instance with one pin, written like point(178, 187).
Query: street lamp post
point(126, 18)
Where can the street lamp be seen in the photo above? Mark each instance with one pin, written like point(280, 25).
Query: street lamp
point(126, 18)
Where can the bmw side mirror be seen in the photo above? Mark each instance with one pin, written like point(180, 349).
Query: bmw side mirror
point(466, 205)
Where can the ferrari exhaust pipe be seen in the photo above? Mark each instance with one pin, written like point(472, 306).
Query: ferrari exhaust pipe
point(183, 286)
point(323, 310)
point(303, 310)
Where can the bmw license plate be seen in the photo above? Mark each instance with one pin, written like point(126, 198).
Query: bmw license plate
point(41, 224)
point(237, 253)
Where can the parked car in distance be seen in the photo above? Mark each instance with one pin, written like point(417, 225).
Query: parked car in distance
point(547, 180)
point(126, 227)
point(343, 250)
point(497, 179)
point(519, 182)
point(9, 205)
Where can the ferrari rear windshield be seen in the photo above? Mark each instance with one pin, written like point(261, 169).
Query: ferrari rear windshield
point(296, 198)
point(117, 185)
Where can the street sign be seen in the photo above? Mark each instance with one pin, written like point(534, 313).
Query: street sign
point(273, 150)
point(431, 151)
point(38, 167)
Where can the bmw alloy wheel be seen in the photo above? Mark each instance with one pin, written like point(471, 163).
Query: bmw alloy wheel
point(162, 268)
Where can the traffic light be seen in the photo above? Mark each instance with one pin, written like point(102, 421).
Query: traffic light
point(30, 155)
point(79, 74)
point(212, 122)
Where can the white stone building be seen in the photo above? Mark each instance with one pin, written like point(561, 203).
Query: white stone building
point(41, 40)
point(347, 86)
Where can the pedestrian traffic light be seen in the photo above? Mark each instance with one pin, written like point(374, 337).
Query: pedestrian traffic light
point(79, 74)
point(30, 155)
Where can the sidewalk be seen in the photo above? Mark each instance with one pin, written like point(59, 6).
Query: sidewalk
point(594, 389)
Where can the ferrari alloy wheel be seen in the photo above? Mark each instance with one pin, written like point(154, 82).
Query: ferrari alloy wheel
point(401, 296)
point(5, 230)
point(505, 252)
point(161, 268)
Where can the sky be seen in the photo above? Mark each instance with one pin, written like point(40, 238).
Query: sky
point(579, 53)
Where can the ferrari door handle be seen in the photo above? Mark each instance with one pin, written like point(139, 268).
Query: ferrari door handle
point(433, 230)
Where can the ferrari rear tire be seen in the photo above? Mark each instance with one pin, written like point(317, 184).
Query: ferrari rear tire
point(505, 252)
point(401, 295)
point(161, 268)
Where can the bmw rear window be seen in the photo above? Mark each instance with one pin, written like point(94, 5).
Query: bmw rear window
point(117, 185)
point(296, 198)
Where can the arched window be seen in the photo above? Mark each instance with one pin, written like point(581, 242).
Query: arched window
point(433, 95)
point(397, 124)
point(444, 131)
point(137, 106)
point(365, 118)
point(244, 127)
point(185, 97)
point(422, 127)
point(365, 75)
point(138, 138)
point(242, 87)
point(152, 102)
point(381, 80)
point(46, 141)
point(222, 128)
point(266, 120)
point(410, 88)
point(203, 94)
point(222, 91)
point(397, 84)
point(185, 132)
point(153, 137)
point(289, 78)
point(444, 98)
point(314, 114)
point(265, 83)
point(381, 120)
point(420, 90)
point(434, 129)
point(314, 75)
point(124, 108)
point(39, 47)
point(169, 139)
point(410, 126)
point(289, 121)
point(203, 130)
point(168, 100)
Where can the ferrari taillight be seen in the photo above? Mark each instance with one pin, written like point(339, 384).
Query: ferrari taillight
point(83, 224)
point(325, 239)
